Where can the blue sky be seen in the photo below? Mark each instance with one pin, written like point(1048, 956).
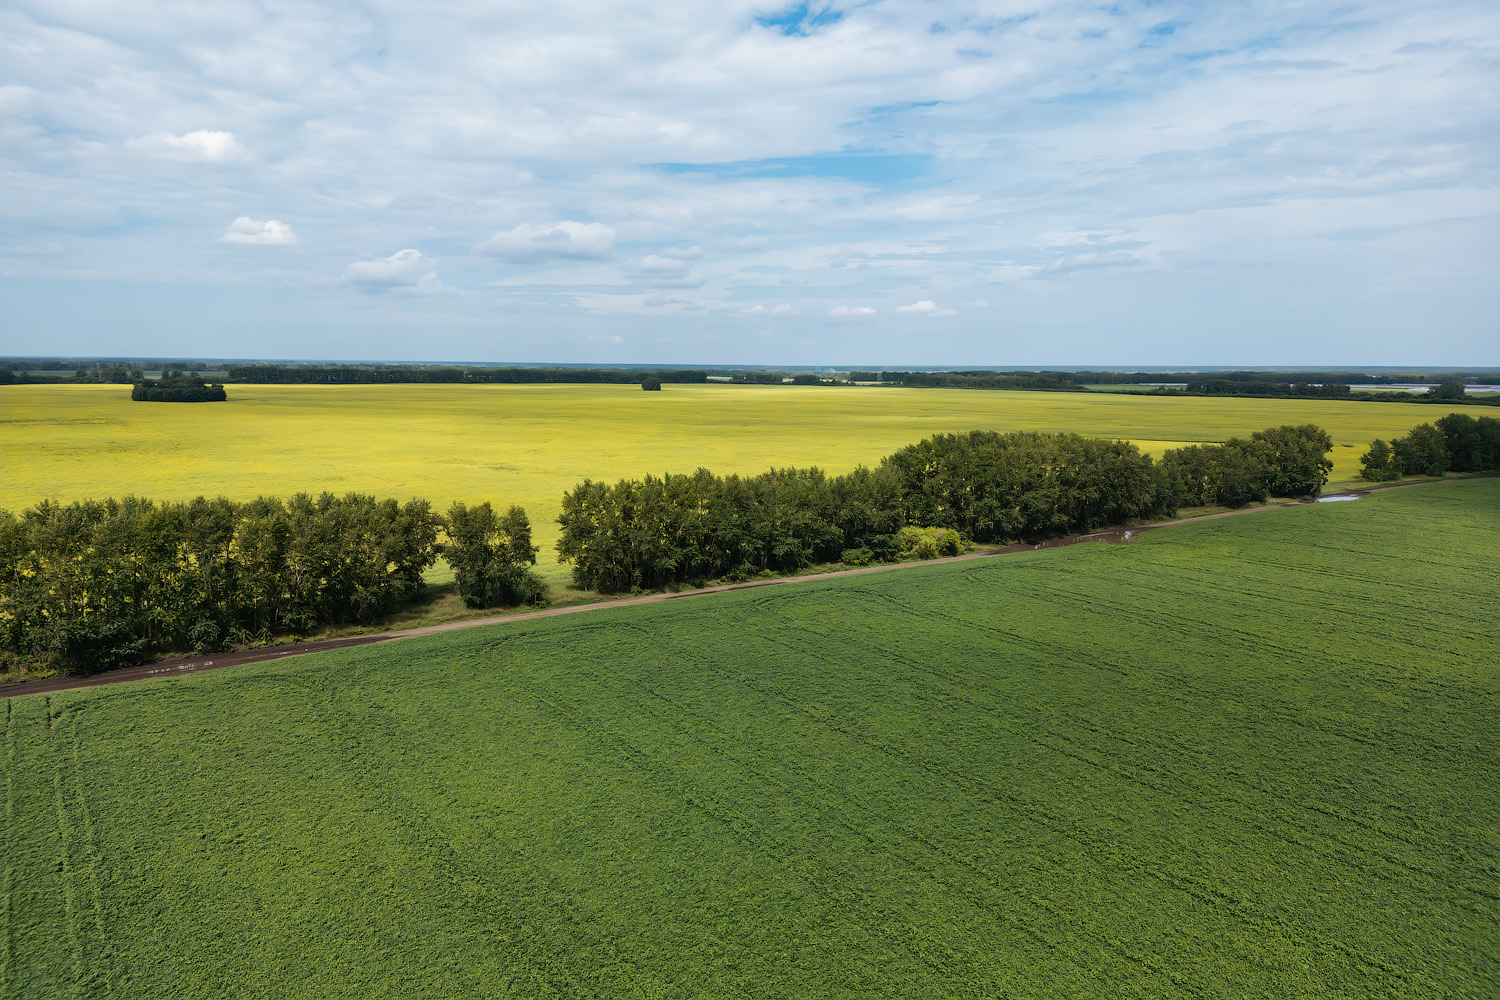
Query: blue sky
point(882, 183)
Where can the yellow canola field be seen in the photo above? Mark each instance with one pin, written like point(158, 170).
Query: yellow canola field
point(526, 444)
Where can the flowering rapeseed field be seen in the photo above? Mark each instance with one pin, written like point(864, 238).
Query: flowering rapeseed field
point(526, 444)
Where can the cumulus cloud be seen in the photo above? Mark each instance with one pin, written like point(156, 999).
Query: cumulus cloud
point(850, 312)
point(855, 163)
point(202, 145)
point(268, 233)
point(926, 307)
point(566, 240)
point(409, 270)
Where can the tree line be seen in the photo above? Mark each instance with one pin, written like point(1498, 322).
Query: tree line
point(107, 582)
point(1264, 388)
point(982, 485)
point(1449, 391)
point(1455, 443)
point(476, 375)
point(1045, 381)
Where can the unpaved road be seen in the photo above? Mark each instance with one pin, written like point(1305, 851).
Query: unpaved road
point(217, 661)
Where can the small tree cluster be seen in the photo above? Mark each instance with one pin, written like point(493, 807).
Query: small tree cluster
point(994, 487)
point(178, 389)
point(650, 532)
point(1457, 442)
point(105, 582)
point(491, 556)
point(1286, 461)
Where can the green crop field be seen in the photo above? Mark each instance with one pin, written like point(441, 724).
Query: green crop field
point(1252, 757)
point(526, 444)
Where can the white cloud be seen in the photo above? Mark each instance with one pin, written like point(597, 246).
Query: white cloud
point(259, 233)
point(846, 165)
point(566, 239)
point(850, 312)
point(926, 307)
point(1092, 260)
point(202, 145)
point(783, 311)
point(16, 100)
point(406, 269)
point(665, 272)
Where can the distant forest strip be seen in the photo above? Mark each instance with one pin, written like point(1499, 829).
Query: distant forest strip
point(110, 582)
point(359, 375)
point(984, 486)
point(1450, 391)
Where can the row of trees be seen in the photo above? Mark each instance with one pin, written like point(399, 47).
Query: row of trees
point(479, 375)
point(1450, 391)
point(1046, 381)
point(1299, 388)
point(107, 582)
point(1457, 443)
point(985, 486)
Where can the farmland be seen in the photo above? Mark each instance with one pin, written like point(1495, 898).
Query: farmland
point(526, 444)
point(1247, 757)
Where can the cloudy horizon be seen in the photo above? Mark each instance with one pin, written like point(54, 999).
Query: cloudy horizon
point(891, 183)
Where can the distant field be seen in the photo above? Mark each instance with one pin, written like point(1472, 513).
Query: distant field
point(1246, 758)
point(526, 444)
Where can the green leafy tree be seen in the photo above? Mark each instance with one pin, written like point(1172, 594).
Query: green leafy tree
point(1295, 458)
point(1465, 442)
point(1379, 465)
point(1423, 452)
point(491, 556)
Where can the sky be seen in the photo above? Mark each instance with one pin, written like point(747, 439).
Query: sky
point(908, 182)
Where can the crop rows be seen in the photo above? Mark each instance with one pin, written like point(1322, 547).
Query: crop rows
point(1251, 757)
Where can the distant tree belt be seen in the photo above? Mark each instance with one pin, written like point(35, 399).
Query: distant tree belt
point(354, 375)
point(1246, 383)
point(990, 487)
point(1451, 391)
point(1357, 380)
point(107, 582)
point(983, 380)
point(1458, 443)
point(182, 389)
point(1229, 387)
